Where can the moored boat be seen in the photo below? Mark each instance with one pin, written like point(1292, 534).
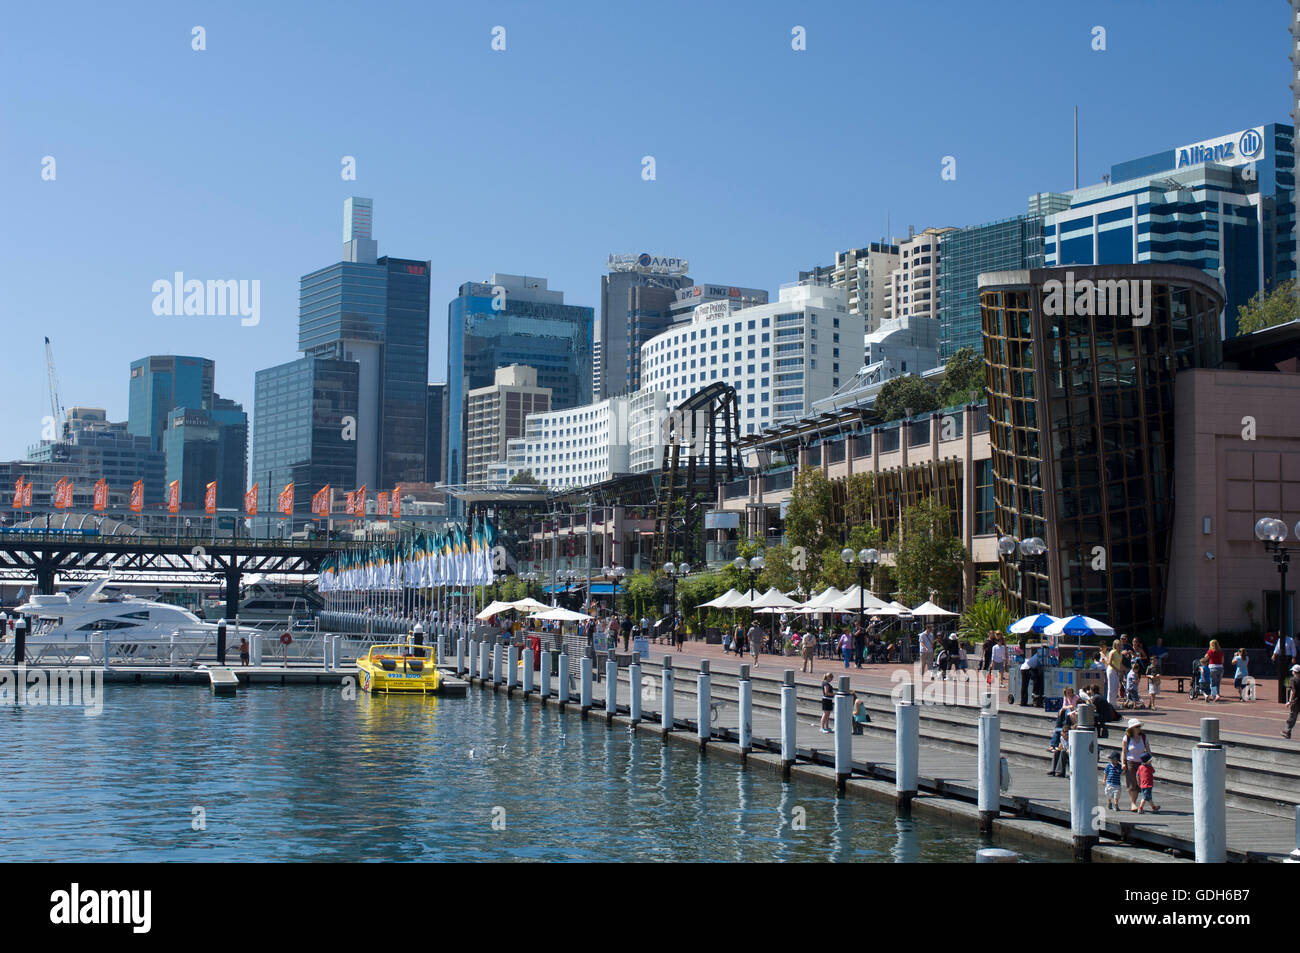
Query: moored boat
point(399, 667)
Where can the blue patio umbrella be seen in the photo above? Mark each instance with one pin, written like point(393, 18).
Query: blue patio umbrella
point(1032, 623)
point(1079, 625)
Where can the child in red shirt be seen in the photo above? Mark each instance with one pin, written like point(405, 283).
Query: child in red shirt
point(1146, 777)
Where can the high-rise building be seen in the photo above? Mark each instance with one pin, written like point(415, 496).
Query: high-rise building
point(636, 299)
point(570, 448)
point(513, 319)
point(863, 273)
point(93, 448)
point(305, 423)
point(779, 357)
point(964, 254)
point(161, 383)
point(912, 290)
point(435, 442)
point(688, 299)
point(206, 444)
point(496, 413)
point(1224, 205)
point(375, 311)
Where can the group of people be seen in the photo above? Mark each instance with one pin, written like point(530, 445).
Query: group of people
point(855, 644)
point(611, 629)
point(1132, 764)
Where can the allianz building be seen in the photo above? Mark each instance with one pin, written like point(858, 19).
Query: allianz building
point(1224, 205)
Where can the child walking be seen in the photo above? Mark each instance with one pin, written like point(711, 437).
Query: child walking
point(1131, 699)
point(1114, 775)
point(1146, 783)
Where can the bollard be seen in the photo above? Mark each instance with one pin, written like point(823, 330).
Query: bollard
point(528, 671)
point(703, 705)
point(512, 668)
point(1209, 770)
point(563, 691)
point(104, 647)
point(255, 648)
point(746, 712)
point(996, 855)
point(483, 673)
point(990, 745)
point(221, 642)
point(498, 667)
point(546, 674)
point(584, 698)
point(20, 641)
point(325, 652)
point(634, 692)
point(337, 642)
point(1083, 784)
point(460, 656)
point(611, 686)
point(1294, 857)
point(788, 746)
point(171, 651)
point(843, 712)
point(666, 718)
point(907, 745)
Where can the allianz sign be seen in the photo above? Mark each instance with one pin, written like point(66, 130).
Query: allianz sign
point(1236, 149)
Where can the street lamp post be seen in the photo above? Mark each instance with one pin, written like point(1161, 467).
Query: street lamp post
point(672, 571)
point(1272, 532)
point(1026, 550)
point(866, 560)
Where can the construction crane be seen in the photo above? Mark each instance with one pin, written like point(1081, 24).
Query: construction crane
point(56, 405)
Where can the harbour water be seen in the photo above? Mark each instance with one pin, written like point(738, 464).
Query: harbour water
point(304, 773)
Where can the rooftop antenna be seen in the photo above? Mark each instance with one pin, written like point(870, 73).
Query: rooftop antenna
point(1076, 147)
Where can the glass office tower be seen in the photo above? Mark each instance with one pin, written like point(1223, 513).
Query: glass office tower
point(965, 254)
point(1081, 427)
point(530, 326)
point(205, 444)
point(161, 383)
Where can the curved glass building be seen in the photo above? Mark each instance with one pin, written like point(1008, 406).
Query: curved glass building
point(1080, 363)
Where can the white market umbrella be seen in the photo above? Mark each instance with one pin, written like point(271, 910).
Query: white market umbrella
point(773, 599)
point(561, 615)
point(824, 598)
point(721, 602)
point(529, 605)
point(494, 607)
point(928, 609)
point(1032, 623)
point(849, 602)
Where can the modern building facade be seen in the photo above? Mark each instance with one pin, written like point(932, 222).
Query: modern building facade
point(207, 444)
point(513, 319)
point(1081, 364)
point(575, 447)
point(636, 298)
point(1224, 205)
point(159, 384)
point(496, 413)
point(688, 299)
point(94, 448)
point(779, 357)
point(965, 253)
point(305, 423)
point(912, 290)
point(435, 442)
point(375, 312)
point(864, 275)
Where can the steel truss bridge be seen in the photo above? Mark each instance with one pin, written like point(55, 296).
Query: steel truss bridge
point(43, 556)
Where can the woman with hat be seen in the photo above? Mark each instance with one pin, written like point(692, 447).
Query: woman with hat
point(1136, 747)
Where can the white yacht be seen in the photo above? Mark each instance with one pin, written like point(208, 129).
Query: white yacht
point(89, 614)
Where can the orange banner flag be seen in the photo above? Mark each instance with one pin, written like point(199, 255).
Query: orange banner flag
point(101, 495)
point(286, 499)
point(320, 502)
point(250, 501)
point(397, 502)
point(210, 499)
point(137, 496)
point(174, 496)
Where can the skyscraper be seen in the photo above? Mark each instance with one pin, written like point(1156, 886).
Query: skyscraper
point(1009, 245)
point(513, 319)
point(435, 442)
point(636, 299)
point(159, 384)
point(205, 444)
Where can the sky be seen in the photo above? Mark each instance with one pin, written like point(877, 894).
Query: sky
point(226, 162)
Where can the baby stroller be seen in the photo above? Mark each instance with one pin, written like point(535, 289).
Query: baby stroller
point(1200, 680)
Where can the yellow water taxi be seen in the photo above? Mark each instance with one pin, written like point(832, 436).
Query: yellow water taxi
point(399, 667)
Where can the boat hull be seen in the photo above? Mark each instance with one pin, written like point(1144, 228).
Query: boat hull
point(400, 680)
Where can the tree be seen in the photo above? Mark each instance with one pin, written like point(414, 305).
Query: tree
point(526, 476)
point(808, 523)
point(907, 393)
point(1263, 311)
point(963, 378)
point(982, 617)
point(639, 594)
point(929, 557)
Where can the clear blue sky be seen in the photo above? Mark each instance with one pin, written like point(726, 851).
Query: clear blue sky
point(226, 163)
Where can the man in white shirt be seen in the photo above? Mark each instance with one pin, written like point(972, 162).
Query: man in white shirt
point(1031, 670)
point(927, 650)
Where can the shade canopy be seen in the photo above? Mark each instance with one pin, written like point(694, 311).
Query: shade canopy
point(824, 599)
point(1032, 623)
point(773, 599)
point(850, 601)
point(1078, 625)
point(561, 615)
point(494, 607)
point(529, 605)
point(721, 602)
point(928, 608)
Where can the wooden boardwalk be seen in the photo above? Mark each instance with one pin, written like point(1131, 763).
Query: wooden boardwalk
point(1033, 793)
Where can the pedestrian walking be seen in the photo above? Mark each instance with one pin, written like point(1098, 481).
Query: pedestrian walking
point(1114, 673)
point(243, 651)
point(1136, 747)
point(998, 655)
point(1241, 675)
point(845, 647)
point(828, 698)
point(1146, 778)
point(1214, 665)
point(807, 645)
point(1293, 701)
point(754, 638)
point(1114, 775)
point(927, 649)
